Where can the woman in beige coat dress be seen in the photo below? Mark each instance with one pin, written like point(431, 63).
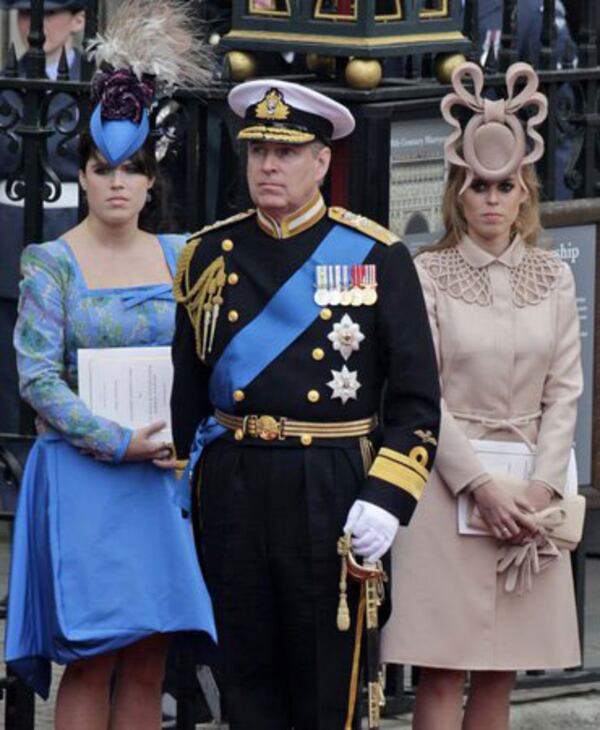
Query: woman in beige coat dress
point(504, 320)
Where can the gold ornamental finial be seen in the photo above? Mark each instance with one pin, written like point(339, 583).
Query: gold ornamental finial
point(363, 73)
point(242, 65)
point(445, 63)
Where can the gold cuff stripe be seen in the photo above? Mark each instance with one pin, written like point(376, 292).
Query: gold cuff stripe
point(401, 458)
point(398, 475)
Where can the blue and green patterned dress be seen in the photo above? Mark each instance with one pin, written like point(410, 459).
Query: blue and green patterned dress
point(101, 556)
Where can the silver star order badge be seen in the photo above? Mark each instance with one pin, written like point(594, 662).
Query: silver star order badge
point(346, 336)
point(344, 384)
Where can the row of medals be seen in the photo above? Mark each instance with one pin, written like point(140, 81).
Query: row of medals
point(341, 284)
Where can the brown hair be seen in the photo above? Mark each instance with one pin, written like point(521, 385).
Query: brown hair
point(527, 222)
point(155, 215)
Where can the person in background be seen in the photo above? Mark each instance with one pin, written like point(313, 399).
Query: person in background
point(528, 26)
point(64, 20)
point(103, 568)
point(504, 318)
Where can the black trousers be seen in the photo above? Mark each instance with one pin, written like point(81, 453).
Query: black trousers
point(268, 522)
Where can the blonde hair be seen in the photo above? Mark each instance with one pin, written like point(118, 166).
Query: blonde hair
point(527, 223)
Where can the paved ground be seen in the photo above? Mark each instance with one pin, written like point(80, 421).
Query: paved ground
point(563, 708)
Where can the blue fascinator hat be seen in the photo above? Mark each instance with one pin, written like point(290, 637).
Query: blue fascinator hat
point(119, 124)
point(147, 50)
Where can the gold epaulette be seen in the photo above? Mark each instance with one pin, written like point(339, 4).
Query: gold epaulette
point(225, 222)
point(363, 224)
point(182, 274)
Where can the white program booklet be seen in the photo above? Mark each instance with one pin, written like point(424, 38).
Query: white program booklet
point(129, 385)
point(507, 457)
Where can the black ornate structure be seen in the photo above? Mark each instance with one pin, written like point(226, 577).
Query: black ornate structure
point(365, 28)
point(205, 169)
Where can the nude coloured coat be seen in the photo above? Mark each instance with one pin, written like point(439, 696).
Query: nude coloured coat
point(507, 336)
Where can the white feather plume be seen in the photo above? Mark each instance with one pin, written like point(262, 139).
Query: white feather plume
point(158, 37)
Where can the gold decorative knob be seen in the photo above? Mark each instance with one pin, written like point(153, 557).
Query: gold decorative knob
point(227, 244)
point(233, 279)
point(241, 65)
point(313, 396)
point(306, 439)
point(444, 66)
point(325, 313)
point(233, 316)
point(238, 396)
point(363, 73)
point(238, 434)
point(318, 353)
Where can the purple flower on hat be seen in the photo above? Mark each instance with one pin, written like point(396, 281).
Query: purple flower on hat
point(122, 95)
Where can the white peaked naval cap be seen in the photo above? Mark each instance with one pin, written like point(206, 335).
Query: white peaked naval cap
point(281, 111)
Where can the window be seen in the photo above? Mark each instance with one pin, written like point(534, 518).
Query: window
point(336, 9)
point(434, 9)
point(388, 10)
point(269, 7)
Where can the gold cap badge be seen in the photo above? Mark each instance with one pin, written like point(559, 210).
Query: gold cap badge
point(272, 106)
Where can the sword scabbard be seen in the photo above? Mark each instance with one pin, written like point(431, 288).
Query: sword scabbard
point(371, 577)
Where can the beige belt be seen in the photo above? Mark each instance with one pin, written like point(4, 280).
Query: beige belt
point(513, 423)
point(269, 428)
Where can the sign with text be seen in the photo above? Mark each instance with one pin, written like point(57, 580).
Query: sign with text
point(576, 245)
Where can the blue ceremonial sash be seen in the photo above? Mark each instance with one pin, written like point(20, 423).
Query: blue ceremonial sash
point(288, 314)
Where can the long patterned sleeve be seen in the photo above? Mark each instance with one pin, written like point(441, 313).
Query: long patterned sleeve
point(40, 345)
point(411, 408)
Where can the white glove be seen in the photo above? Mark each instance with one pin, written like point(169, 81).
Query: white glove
point(373, 529)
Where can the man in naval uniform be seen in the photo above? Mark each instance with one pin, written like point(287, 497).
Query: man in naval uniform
point(291, 320)
point(63, 20)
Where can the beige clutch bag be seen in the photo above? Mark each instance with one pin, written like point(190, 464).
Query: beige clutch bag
point(561, 526)
point(562, 521)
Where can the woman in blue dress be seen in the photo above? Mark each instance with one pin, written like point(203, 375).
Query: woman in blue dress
point(103, 564)
point(104, 567)
point(113, 561)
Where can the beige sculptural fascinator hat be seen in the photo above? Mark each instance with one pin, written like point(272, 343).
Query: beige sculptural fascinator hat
point(495, 142)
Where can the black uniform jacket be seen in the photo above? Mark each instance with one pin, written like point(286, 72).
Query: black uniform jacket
point(394, 364)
